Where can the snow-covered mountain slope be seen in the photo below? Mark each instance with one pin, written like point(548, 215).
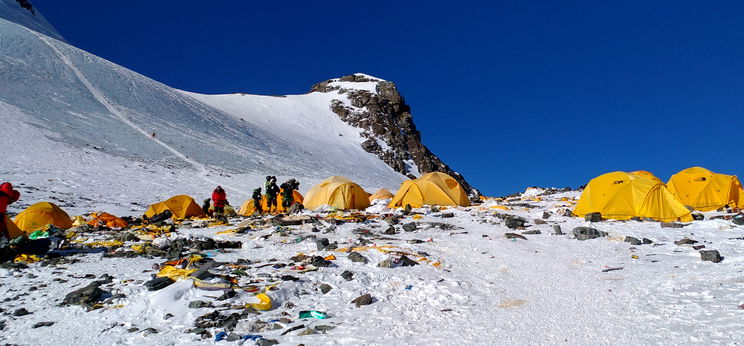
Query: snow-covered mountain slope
point(67, 105)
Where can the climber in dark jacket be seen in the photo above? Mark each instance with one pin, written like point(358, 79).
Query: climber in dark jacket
point(288, 193)
point(257, 200)
point(271, 192)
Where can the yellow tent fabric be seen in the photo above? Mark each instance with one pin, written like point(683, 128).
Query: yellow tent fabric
point(13, 229)
point(106, 219)
point(704, 190)
point(381, 194)
point(621, 196)
point(181, 206)
point(646, 174)
point(229, 210)
point(431, 189)
point(40, 215)
point(339, 192)
point(247, 208)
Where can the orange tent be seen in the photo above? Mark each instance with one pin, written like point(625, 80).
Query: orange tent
point(106, 219)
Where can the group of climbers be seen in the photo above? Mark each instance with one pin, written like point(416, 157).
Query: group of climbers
point(272, 192)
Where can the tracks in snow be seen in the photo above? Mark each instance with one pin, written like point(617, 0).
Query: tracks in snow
point(201, 170)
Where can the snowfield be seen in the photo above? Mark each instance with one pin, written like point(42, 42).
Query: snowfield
point(487, 289)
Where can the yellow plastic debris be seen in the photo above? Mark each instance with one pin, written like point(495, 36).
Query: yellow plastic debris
point(174, 273)
point(26, 258)
point(330, 258)
point(418, 217)
point(265, 303)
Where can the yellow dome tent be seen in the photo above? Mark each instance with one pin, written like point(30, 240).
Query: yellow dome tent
point(646, 174)
point(181, 206)
point(431, 189)
point(248, 209)
point(40, 215)
point(339, 192)
point(13, 230)
point(704, 190)
point(381, 194)
point(621, 196)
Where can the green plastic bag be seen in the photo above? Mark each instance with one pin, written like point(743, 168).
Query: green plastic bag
point(313, 314)
point(38, 234)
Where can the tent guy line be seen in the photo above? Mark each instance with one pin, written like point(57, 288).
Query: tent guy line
point(201, 170)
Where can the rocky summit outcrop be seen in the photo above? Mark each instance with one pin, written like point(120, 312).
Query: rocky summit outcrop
point(376, 107)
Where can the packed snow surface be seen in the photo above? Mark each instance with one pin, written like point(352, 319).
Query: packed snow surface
point(486, 289)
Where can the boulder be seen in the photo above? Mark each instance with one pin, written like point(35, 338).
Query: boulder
point(347, 275)
point(325, 288)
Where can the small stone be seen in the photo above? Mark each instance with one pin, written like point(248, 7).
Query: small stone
point(447, 215)
point(557, 230)
point(233, 336)
point(410, 227)
point(537, 231)
point(632, 240)
point(389, 231)
point(43, 324)
point(322, 243)
point(386, 263)
point(514, 236)
point(671, 225)
point(325, 288)
point(158, 283)
point(149, 331)
point(168, 316)
point(323, 328)
point(266, 342)
point(738, 220)
point(308, 331)
point(546, 215)
point(320, 262)
point(647, 241)
point(698, 216)
point(711, 255)
point(539, 222)
point(357, 257)
point(347, 275)
point(134, 329)
point(407, 262)
point(698, 247)
point(21, 312)
point(585, 233)
point(593, 217)
point(364, 299)
point(685, 241)
point(199, 304)
point(514, 223)
point(289, 278)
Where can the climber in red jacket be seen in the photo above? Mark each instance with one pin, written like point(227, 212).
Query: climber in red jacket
point(219, 200)
point(7, 196)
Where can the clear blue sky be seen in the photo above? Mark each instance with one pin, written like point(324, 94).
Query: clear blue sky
point(510, 93)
